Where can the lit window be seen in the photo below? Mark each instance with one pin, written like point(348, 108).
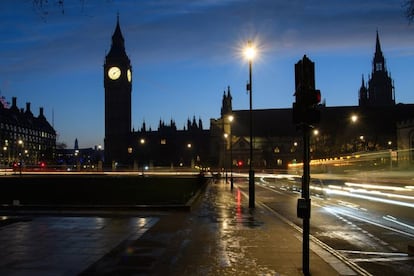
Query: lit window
point(163, 141)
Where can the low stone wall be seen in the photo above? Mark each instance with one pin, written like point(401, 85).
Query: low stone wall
point(95, 190)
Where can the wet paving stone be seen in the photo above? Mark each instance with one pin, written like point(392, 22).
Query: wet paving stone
point(63, 245)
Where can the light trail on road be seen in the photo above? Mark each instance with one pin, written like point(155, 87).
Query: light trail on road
point(358, 194)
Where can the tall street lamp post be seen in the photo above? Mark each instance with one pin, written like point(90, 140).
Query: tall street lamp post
point(231, 118)
point(142, 143)
point(4, 159)
point(20, 142)
point(224, 154)
point(250, 53)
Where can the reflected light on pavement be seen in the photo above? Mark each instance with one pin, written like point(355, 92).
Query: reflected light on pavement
point(239, 208)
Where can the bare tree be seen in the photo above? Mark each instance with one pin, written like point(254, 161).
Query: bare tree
point(45, 6)
point(409, 10)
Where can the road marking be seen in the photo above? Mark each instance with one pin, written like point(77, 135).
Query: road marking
point(267, 188)
point(374, 253)
point(372, 222)
point(380, 256)
point(392, 219)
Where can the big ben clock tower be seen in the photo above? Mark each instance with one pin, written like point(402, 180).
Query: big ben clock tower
point(117, 83)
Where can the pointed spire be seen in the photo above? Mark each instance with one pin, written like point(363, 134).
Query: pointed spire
point(188, 124)
point(144, 127)
point(200, 123)
point(194, 123)
point(378, 45)
point(378, 63)
point(118, 42)
point(378, 56)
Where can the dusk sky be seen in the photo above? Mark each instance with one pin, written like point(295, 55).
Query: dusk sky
point(185, 53)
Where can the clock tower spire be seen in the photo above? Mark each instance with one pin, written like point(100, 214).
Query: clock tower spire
point(117, 83)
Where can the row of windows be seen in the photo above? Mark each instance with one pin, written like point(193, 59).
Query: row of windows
point(25, 138)
point(26, 131)
point(28, 146)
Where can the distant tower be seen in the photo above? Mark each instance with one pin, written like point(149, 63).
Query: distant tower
point(363, 93)
point(117, 83)
point(380, 84)
point(226, 106)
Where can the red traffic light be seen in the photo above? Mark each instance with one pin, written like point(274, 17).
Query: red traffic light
point(313, 97)
point(317, 96)
point(239, 163)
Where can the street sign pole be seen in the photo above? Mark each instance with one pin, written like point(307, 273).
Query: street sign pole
point(306, 198)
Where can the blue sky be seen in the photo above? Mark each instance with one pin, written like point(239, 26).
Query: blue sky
point(185, 53)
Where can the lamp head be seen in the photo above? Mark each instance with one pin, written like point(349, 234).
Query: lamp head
point(250, 51)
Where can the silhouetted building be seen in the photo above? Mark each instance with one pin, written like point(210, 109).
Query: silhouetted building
point(79, 159)
point(24, 137)
point(117, 82)
point(171, 147)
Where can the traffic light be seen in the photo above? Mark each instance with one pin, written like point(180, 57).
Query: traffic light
point(307, 97)
point(313, 97)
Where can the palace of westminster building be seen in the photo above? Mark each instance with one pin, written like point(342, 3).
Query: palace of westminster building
point(376, 124)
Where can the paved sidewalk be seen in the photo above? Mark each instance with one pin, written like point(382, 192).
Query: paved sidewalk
point(62, 245)
point(221, 236)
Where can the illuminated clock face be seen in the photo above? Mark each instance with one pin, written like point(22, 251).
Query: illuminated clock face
point(114, 73)
point(129, 75)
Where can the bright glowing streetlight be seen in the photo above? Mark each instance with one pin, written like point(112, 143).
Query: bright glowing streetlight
point(250, 53)
point(354, 118)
